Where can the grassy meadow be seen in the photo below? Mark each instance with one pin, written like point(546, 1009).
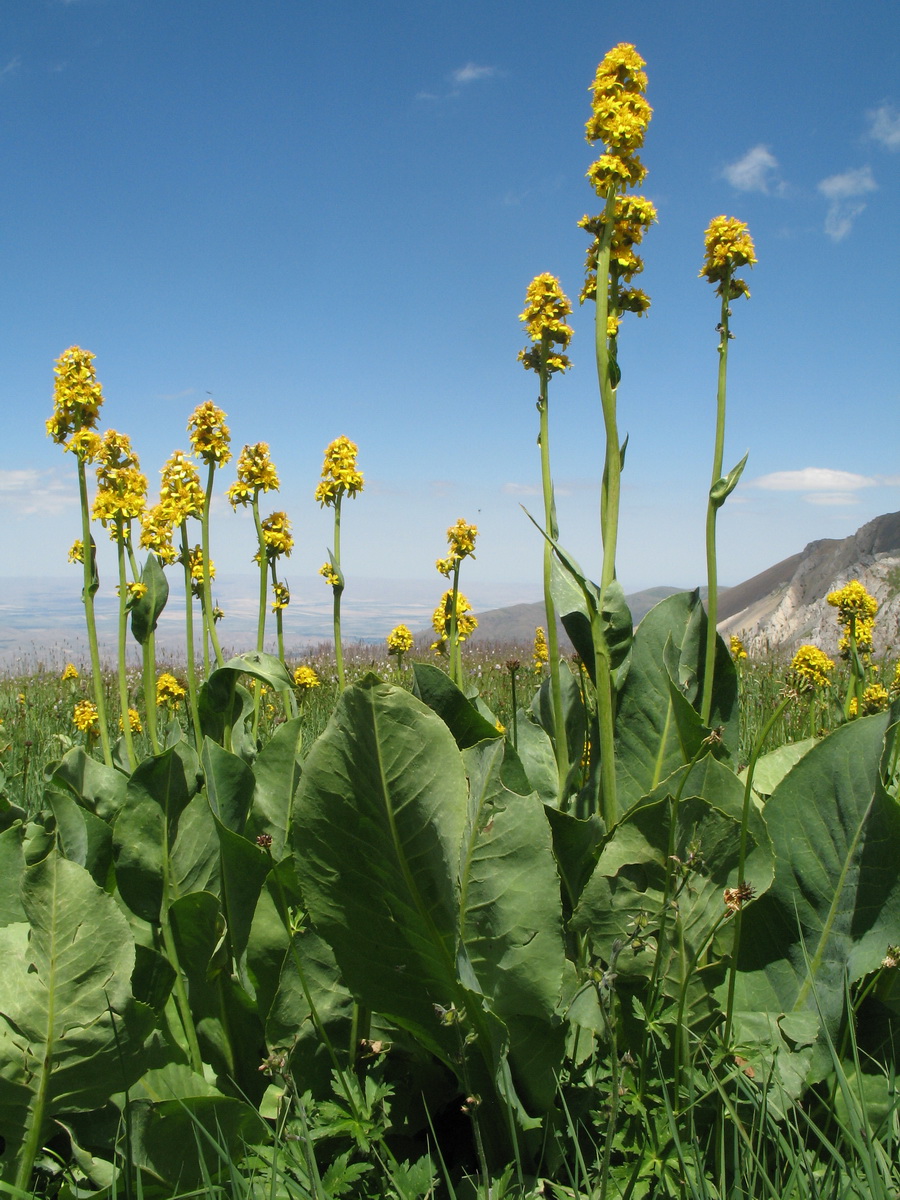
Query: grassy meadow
point(440, 918)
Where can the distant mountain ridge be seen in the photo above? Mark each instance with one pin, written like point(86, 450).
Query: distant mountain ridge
point(517, 622)
point(786, 605)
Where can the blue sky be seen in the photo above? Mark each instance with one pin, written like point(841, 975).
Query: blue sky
point(325, 216)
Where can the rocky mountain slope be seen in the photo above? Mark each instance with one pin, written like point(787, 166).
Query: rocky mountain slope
point(785, 606)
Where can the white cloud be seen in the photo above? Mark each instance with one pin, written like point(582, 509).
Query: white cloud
point(843, 192)
point(470, 72)
point(822, 480)
point(755, 172)
point(521, 489)
point(11, 67)
point(29, 492)
point(831, 498)
point(884, 126)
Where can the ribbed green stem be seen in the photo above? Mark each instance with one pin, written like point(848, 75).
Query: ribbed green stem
point(712, 582)
point(455, 655)
point(609, 513)
point(148, 665)
point(189, 637)
point(207, 587)
point(337, 590)
point(90, 619)
point(123, 630)
point(560, 741)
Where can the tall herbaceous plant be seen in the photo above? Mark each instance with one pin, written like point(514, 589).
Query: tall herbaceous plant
point(623, 947)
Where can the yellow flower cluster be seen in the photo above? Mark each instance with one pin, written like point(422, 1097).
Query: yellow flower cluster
point(169, 691)
point(180, 493)
point(76, 551)
point(306, 679)
point(156, 533)
point(728, 244)
point(255, 473)
point(210, 436)
point(632, 217)
point(811, 667)
point(133, 591)
point(121, 487)
point(134, 721)
point(70, 672)
point(195, 564)
point(399, 640)
point(281, 596)
point(466, 624)
point(546, 309)
point(875, 699)
point(738, 651)
point(339, 473)
point(856, 614)
point(540, 654)
point(276, 531)
point(84, 444)
point(461, 538)
point(619, 120)
point(77, 396)
point(330, 575)
point(85, 717)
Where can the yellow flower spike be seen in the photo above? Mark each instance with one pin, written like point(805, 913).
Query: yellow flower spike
point(169, 692)
point(256, 473)
point(728, 245)
point(134, 721)
point(84, 444)
point(466, 623)
point(305, 678)
point(339, 473)
point(399, 640)
point(546, 309)
point(85, 717)
point(875, 699)
point(76, 551)
point(811, 667)
point(540, 654)
point(70, 672)
point(853, 601)
point(329, 574)
point(276, 530)
point(156, 533)
point(180, 493)
point(77, 396)
point(282, 597)
point(738, 651)
point(210, 436)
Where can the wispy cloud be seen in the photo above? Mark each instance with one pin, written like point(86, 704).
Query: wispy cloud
point(29, 492)
point(843, 194)
point(884, 126)
point(521, 489)
point(815, 479)
point(470, 72)
point(460, 78)
point(10, 67)
point(756, 171)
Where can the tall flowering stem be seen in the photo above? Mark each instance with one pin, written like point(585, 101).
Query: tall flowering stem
point(546, 309)
point(156, 536)
point(728, 246)
point(461, 541)
point(210, 441)
point(77, 397)
point(856, 616)
point(340, 478)
point(619, 120)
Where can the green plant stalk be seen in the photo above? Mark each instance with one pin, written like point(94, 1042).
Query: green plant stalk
point(337, 590)
point(609, 513)
point(742, 857)
point(189, 637)
point(560, 741)
point(712, 509)
point(90, 620)
point(123, 630)
point(279, 623)
point(207, 585)
point(515, 711)
point(455, 655)
point(263, 597)
point(148, 666)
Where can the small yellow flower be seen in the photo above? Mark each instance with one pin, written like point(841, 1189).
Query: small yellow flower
point(812, 667)
point(71, 672)
point(853, 602)
point(76, 551)
point(728, 245)
point(84, 444)
point(210, 436)
point(156, 533)
point(282, 597)
point(169, 692)
point(330, 575)
point(875, 699)
point(77, 396)
point(255, 473)
point(466, 623)
point(306, 679)
point(276, 531)
point(134, 721)
point(339, 473)
point(540, 655)
point(134, 591)
point(180, 493)
point(85, 717)
point(461, 538)
point(738, 650)
point(399, 640)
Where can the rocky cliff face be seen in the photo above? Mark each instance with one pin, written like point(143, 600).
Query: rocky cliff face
point(786, 606)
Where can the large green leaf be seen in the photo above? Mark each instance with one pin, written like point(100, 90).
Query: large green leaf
point(81, 836)
point(435, 688)
point(276, 771)
point(834, 905)
point(378, 824)
point(146, 611)
point(94, 785)
point(69, 1035)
